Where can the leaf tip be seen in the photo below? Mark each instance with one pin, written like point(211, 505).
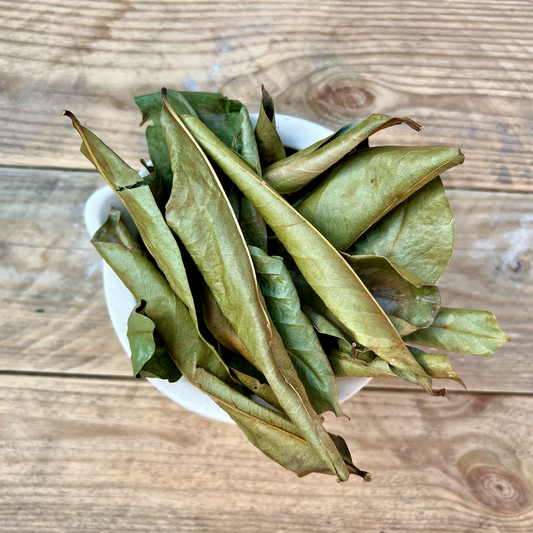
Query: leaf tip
point(69, 114)
point(411, 123)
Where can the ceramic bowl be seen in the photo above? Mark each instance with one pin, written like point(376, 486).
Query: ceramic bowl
point(295, 133)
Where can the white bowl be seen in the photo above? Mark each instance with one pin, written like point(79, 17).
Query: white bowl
point(295, 133)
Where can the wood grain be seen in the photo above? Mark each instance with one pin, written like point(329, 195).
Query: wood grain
point(49, 265)
point(462, 69)
point(93, 450)
point(90, 455)
point(54, 317)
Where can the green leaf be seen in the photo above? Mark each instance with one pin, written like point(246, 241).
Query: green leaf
point(323, 267)
point(292, 173)
point(418, 234)
point(249, 151)
point(297, 332)
point(399, 292)
point(149, 358)
point(201, 215)
point(359, 191)
point(253, 225)
point(467, 331)
point(268, 141)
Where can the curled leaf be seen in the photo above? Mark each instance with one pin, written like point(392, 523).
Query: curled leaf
point(468, 331)
point(220, 327)
point(418, 234)
point(327, 272)
point(171, 317)
point(149, 357)
point(359, 191)
point(272, 432)
point(268, 141)
point(437, 366)
point(292, 173)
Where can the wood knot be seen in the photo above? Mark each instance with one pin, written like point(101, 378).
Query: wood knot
point(342, 96)
point(498, 489)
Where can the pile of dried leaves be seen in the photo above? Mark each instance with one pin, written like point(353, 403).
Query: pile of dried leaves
point(267, 273)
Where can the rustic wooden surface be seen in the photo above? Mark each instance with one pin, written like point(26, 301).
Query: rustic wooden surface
point(83, 446)
point(90, 455)
point(462, 69)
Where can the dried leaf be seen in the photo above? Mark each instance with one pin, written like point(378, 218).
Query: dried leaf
point(249, 151)
point(149, 357)
point(417, 234)
point(201, 215)
point(292, 173)
point(468, 331)
point(253, 225)
point(272, 432)
point(437, 366)
point(323, 267)
point(359, 191)
point(220, 327)
point(399, 292)
point(268, 141)
point(261, 389)
point(136, 195)
point(171, 317)
point(297, 332)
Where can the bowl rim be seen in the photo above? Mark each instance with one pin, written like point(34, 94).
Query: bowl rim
point(295, 133)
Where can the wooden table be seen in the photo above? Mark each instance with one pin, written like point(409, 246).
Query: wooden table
point(83, 446)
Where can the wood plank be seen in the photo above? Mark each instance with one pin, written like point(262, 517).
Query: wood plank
point(54, 317)
point(463, 69)
point(48, 264)
point(92, 455)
